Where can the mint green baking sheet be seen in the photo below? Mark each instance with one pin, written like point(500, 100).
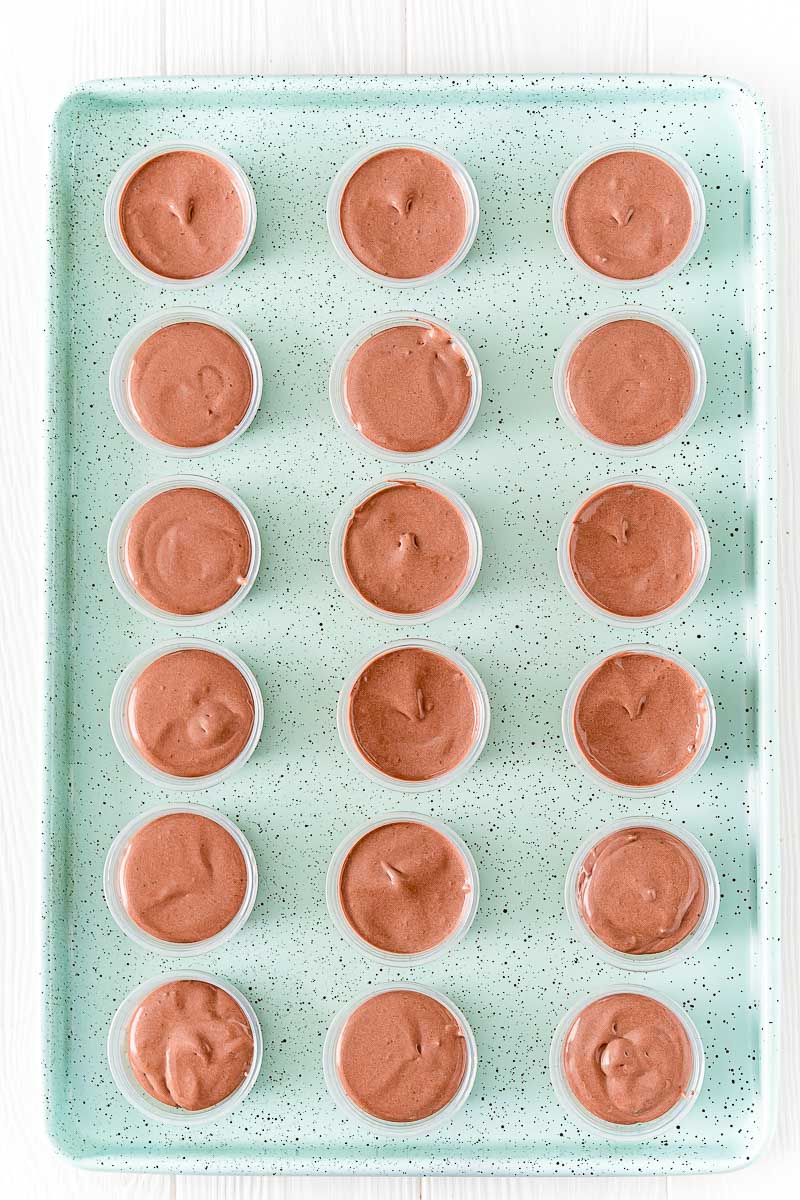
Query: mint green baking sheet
point(524, 807)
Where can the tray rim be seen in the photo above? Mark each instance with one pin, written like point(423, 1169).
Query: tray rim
point(763, 372)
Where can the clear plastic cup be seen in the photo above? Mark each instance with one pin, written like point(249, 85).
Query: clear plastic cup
point(128, 1084)
point(347, 931)
point(116, 550)
point(681, 335)
point(604, 781)
point(690, 181)
point(119, 717)
point(481, 719)
point(113, 891)
point(337, 387)
point(398, 1128)
point(702, 542)
point(114, 231)
point(643, 962)
point(340, 182)
point(119, 378)
point(340, 574)
point(609, 1129)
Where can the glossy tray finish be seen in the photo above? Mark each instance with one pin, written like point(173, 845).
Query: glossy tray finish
point(524, 807)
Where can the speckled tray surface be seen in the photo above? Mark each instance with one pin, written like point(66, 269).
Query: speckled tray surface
point(523, 808)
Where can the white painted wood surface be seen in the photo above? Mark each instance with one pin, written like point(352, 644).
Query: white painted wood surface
point(46, 47)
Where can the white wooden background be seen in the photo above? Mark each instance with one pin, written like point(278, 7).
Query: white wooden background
point(45, 49)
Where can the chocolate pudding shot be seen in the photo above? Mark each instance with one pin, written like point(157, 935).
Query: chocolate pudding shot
point(644, 890)
point(180, 877)
point(627, 1059)
point(186, 714)
point(187, 551)
point(408, 388)
point(404, 213)
point(639, 719)
point(181, 214)
point(403, 887)
point(630, 380)
point(406, 548)
point(190, 713)
point(190, 384)
point(402, 1056)
point(190, 1045)
point(634, 550)
point(632, 214)
point(414, 715)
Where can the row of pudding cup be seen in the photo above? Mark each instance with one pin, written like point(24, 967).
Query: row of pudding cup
point(407, 549)
point(154, 1036)
point(655, 407)
point(636, 425)
point(158, 374)
point(405, 926)
point(648, 698)
point(380, 383)
point(663, 738)
point(403, 214)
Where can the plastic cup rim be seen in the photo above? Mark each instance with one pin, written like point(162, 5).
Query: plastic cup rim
point(604, 781)
point(377, 1124)
point(696, 198)
point(119, 375)
point(116, 543)
point(699, 578)
point(130, 1087)
point(343, 926)
point(348, 588)
point(124, 743)
point(113, 228)
point(149, 941)
point(588, 325)
point(693, 941)
point(482, 718)
point(338, 376)
point(346, 172)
